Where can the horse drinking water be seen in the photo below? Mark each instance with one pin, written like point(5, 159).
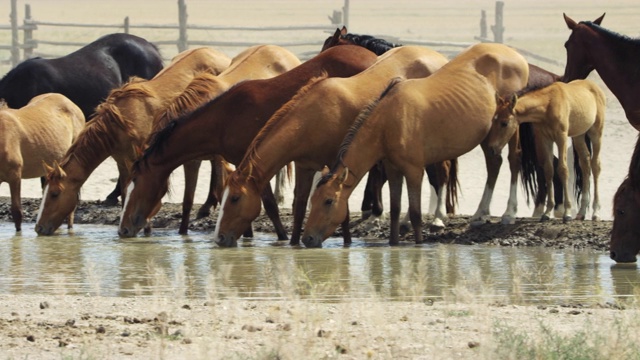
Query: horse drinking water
point(417, 122)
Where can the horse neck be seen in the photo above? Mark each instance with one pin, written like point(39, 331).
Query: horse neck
point(613, 73)
point(532, 109)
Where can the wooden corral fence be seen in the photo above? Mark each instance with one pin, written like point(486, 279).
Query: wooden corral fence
point(29, 46)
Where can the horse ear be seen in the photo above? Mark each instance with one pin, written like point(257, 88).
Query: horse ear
point(570, 22)
point(512, 102)
point(344, 176)
point(58, 169)
point(343, 31)
point(599, 20)
point(325, 171)
point(47, 169)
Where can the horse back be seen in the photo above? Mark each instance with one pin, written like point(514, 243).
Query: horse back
point(266, 60)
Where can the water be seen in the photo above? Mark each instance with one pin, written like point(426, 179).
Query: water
point(93, 260)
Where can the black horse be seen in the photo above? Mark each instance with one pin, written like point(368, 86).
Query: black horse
point(85, 76)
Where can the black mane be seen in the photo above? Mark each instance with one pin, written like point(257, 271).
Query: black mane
point(378, 46)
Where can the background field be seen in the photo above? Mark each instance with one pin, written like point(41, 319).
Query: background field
point(534, 26)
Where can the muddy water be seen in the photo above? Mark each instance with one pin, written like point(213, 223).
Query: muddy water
point(93, 260)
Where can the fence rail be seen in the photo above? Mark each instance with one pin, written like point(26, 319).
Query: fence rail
point(30, 43)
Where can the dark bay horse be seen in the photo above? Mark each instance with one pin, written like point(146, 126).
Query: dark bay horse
point(308, 130)
point(40, 131)
point(615, 57)
point(119, 129)
point(85, 76)
point(408, 129)
point(343, 37)
point(226, 126)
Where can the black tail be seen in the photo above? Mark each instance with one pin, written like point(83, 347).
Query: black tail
point(529, 161)
point(452, 187)
point(576, 166)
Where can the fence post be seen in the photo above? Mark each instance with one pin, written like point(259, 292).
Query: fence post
point(28, 43)
point(345, 14)
point(126, 25)
point(15, 45)
point(498, 29)
point(182, 20)
point(483, 24)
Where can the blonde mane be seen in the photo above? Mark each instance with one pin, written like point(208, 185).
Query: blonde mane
point(250, 161)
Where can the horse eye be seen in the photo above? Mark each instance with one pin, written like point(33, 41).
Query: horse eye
point(504, 124)
point(235, 198)
point(620, 212)
point(54, 194)
point(328, 202)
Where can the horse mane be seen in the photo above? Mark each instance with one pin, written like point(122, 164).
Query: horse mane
point(377, 45)
point(197, 92)
point(251, 159)
point(630, 52)
point(357, 124)
point(97, 134)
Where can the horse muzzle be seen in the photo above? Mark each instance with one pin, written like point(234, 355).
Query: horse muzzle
point(622, 257)
point(126, 232)
point(312, 241)
point(226, 240)
point(45, 230)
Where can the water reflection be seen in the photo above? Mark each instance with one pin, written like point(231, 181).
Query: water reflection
point(93, 260)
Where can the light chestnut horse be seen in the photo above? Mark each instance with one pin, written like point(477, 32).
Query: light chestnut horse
point(560, 111)
point(308, 130)
point(417, 122)
point(119, 129)
point(41, 131)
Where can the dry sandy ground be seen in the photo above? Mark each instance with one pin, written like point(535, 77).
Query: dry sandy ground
point(71, 327)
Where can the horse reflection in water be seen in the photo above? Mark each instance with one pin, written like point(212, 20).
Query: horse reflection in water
point(615, 57)
point(453, 119)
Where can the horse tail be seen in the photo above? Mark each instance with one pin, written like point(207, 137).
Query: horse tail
point(529, 161)
point(452, 187)
point(364, 115)
point(578, 170)
point(194, 95)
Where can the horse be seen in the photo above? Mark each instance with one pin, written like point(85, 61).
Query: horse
point(226, 126)
point(119, 128)
point(416, 122)
point(307, 130)
point(615, 57)
point(521, 159)
point(85, 76)
point(40, 131)
point(559, 111)
point(438, 174)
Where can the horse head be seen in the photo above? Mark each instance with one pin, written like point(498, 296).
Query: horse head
point(59, 199)
point(579, 61)
point(142, 200)
point(625, 233)
point(241, 203)
point(330, 208)
point(503, 125)
point(335, 39)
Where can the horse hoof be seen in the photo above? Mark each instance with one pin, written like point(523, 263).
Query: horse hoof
point(202, 215)
point(436, 226)
point(110, 202)
point(544, 218)
point(366, 214)
point(508, 220)
point(579, 217)
point(595, 218)
point(566, 219)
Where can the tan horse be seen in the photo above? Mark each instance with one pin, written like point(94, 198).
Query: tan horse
point(557, 112)
point(414, 123)
point(308, 130)
point(119, 129)
point(41, 131)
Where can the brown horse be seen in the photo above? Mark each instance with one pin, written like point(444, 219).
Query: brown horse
point(417, 122)
point(226, 126)
point(40, 131)
point(120, 127)
point(557, 112)
point(308, 130)
point(615, 57)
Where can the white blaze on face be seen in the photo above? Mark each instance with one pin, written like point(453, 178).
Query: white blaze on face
point(221, 212)
point(126, 200)
point(44, 197)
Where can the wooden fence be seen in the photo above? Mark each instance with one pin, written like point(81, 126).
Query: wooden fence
point(30, 44)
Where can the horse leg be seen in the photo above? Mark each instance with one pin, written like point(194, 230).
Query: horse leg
point(304, 182)
point(414, 190)
point(215, 188)
point(395, 198)
point(545, 155)
point(16, 205)
point(563, 173)
point(191, 170)
point(493, 163)
point(595, 135)
point(372, 199)
point(346, 232)
point(280, 183)
point(580, 146)
point(112, 199)
point(515, 164)
point(271, 208)
point(438, 175)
